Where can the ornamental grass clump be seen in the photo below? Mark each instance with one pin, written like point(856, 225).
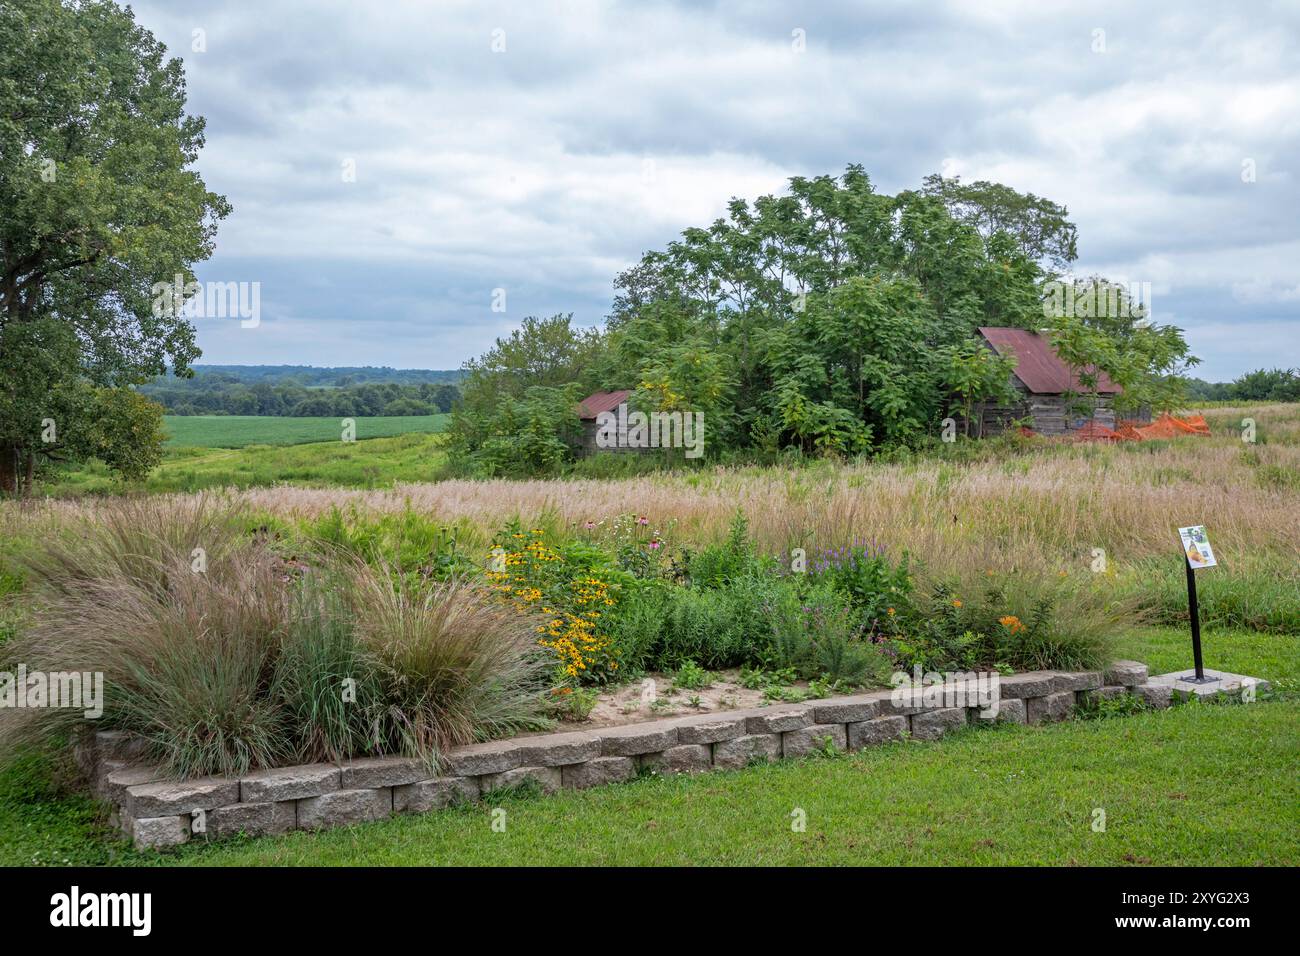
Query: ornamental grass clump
point(453, 664)
point(183, 615)
point(221, 657)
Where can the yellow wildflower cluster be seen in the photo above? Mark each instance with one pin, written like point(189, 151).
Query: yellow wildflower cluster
point(574, 605)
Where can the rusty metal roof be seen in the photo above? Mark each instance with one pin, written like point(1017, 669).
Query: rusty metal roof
point(598, 402)
point(1037, 364)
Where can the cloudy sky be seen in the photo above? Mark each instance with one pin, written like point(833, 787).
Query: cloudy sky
point(539, 148)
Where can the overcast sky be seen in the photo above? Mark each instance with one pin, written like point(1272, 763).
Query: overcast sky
point(604, 129)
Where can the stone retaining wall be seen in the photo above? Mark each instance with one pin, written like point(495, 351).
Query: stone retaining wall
point(155, 812)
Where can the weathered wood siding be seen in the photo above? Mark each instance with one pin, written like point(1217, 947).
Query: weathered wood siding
point(1047, 414)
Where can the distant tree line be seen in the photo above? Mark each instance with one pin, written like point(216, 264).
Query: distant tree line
point(1261, 385)
point(300, 392)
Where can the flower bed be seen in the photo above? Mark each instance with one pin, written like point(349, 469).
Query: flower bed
point(232, 644)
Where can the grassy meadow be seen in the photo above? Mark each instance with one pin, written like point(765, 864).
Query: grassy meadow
point(1173, 782)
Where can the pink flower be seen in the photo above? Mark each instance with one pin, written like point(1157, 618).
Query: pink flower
point(654, 545)
point(589, 525)
point(643, 520)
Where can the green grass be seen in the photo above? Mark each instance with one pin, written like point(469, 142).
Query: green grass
point(373, 463)
point(239, 431)
point(1176, 786)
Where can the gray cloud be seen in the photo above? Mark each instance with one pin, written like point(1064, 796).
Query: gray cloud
point(606, 128)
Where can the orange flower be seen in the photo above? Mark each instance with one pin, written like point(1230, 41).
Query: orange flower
point(956, 603)
point(1011, 623)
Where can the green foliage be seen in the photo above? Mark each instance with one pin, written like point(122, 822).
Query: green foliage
point(533, 434)
point(830, 320)
point(255, 661)
point(407, 540)
point(100, 203)
point(691, 676)
point(877, 589)
point(817, 637)
point(1027, 621)
point(1267, 385)
point(571, 703)
point(518, 413)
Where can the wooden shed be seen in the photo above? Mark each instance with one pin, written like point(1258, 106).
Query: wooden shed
point(1043, 383)
point(592, 406)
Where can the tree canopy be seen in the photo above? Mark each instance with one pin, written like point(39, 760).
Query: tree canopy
point(832, 319)
point(100, 203)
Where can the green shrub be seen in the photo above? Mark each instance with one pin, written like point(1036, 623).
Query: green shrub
point(872, 585)
point(1022, 619)
point(407, 540)
point(719, 565)
point(331, 689)
point(691, 676)
point(818, 638)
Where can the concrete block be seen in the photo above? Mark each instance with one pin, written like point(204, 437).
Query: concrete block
point(289, 783)
point(633, 740)
point(800, 743)
point(1029, 684)
point(1126, 673)
point(742, 751)
point(157, 833)
point(877, 731)
point(709, 728)
point(434, 794)
point(180, 797)
point(252, 819)
point(847, 710)
point(779, 719)
point(1052, 707)
point(553, 750)
point(684, 758)
point(475, 760)
point(598, 772)
point(344, 807)
point(548, 778)
point(933, 724)
point(370, 773)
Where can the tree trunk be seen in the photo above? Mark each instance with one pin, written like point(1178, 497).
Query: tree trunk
point(8, 470)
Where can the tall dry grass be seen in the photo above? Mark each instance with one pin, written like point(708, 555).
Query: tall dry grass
point(1049, 507)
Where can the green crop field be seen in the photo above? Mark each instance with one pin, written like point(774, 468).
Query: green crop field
point(239, 431)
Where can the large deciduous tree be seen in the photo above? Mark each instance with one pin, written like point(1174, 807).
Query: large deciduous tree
point(98, 203)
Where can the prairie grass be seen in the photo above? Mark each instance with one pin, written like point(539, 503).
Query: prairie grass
point(1010, 508)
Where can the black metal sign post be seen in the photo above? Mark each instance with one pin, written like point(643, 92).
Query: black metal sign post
point(1195, 612)
point(1196, 545)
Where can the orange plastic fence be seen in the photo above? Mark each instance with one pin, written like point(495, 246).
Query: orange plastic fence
point(1164, 427)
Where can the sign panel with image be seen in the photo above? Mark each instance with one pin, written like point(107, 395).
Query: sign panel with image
point(1197, 547)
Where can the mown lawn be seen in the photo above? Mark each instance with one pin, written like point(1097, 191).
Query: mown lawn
point(239, 431)
point(1194, 785)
